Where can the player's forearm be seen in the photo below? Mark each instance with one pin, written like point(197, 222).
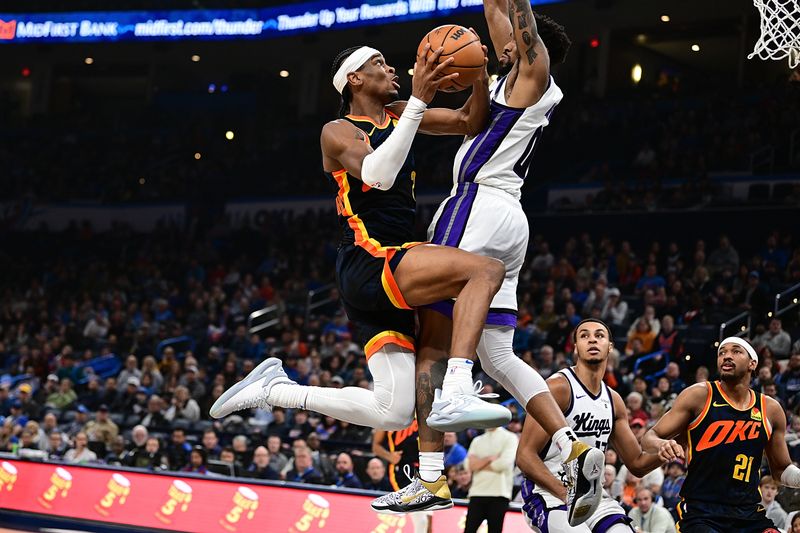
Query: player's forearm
point(477, 112)
point(496, 14)
point(526, 34)
point(651, 442)
point(535, 470)
point(644, 464)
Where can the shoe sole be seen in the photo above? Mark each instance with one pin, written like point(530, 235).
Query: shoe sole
point(436, 507)
point(591, 470)
point(252, 377)
point(470, 422)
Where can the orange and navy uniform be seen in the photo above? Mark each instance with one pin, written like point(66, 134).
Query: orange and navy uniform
point(405, 440)
point(377, 229)
point(724, 450)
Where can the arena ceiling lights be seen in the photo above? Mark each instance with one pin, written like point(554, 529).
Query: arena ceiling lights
point(200, 25)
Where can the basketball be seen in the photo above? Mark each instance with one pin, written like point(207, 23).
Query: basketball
point(462, 45)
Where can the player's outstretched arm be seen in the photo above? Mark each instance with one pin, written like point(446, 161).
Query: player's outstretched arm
point(496, 14)
point(534, 61)
point(470, 119)
point(780, 463)
point(628, 447)
point(533, 440)
point(688, 405)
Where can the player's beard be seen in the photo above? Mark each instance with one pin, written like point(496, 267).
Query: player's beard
point(504, 68)
point(734, 376)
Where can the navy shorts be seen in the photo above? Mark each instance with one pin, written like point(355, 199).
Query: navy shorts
point(703, 517)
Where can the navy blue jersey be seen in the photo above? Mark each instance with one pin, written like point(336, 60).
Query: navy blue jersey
point(373, 218)
point(725, 447)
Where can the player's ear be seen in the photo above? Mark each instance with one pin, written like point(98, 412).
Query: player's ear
point(354, 78)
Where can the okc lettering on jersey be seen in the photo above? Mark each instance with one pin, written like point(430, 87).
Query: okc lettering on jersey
point(727, 431)
point(587, 425)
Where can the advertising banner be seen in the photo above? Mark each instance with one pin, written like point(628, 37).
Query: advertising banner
point(201, 24)
point(195, 504)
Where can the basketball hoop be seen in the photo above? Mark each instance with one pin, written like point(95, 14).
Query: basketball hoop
point(780, 31)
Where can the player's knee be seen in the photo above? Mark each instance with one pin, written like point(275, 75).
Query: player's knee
point(495, 271)
point(399, 417)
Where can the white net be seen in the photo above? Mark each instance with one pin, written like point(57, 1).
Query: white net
point(780, 30)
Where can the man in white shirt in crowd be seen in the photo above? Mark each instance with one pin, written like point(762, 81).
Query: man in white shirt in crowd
point(649, 518)
point(491, 460)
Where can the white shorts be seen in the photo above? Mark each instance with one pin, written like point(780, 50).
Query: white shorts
point(489, 222)
point(609, 514)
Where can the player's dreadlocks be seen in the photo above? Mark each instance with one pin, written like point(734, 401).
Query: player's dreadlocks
point(554, 37)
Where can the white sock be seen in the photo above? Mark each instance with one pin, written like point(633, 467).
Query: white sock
point(431, 465)
point(289, 396)
point(563, 439)
point(458, 378)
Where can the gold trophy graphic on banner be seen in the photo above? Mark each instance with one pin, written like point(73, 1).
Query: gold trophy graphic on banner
point(315, 508)
point(60, 481)
point(389, 522)
point(179, 493)
point(8, 476)
point(118, 487)
point(244, 499)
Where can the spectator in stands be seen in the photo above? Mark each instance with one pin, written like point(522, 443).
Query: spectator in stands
point(546, 319)
point(669, 339)
point(376, 476)
point(150, 368)
point(644, 332)
point(610, 483)
point(462, 481)
point(49, 423)
point(454, 453)
point(723, 258)
point(789, 380)
point(126, 402)
point(344, 469)
point(178, 449)
point(260, 468)
point(5, 399)
point(131, 370)
point(109, 394)
point(560, 334)
point(545, 361)
point(211, 444)
point(776, 339)
point(598, 297)
point(29, 407)
point(244, 455)
point(769, 489)
point(322, 462)
point(277, 460)
point(154, 416)
point(649, 316)
point(198, 463)
point(102, 428)
point(196, 388)
point(227, 456)
point(79, 422)
point(56, 446)
point(755, 297)
point(80, 453)
point(118, 452)
point(615, 310)
point(649, 517)
point(303, 470)
point(650, 280)
point(300, 426)
point(674, 376)
point(183, 407)
point(91, 397)
point(150, 457)
point(64, 397)
point(673, 481)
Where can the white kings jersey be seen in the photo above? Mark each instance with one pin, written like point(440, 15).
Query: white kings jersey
point(501, 155)
point(590, 416)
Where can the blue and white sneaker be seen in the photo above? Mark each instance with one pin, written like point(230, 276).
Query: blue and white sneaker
point(253, 390)
point(466, 410)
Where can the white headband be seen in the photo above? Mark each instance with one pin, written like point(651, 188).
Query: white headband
point(353, 62)
point(744, 344)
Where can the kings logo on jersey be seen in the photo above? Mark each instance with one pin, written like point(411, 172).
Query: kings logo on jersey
point(586, 425)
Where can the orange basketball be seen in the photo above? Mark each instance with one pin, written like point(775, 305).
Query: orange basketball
point(462, 45)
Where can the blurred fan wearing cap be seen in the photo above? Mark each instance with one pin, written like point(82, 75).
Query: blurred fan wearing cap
point(64, 397)
point(29, 406)
point(102, 428)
